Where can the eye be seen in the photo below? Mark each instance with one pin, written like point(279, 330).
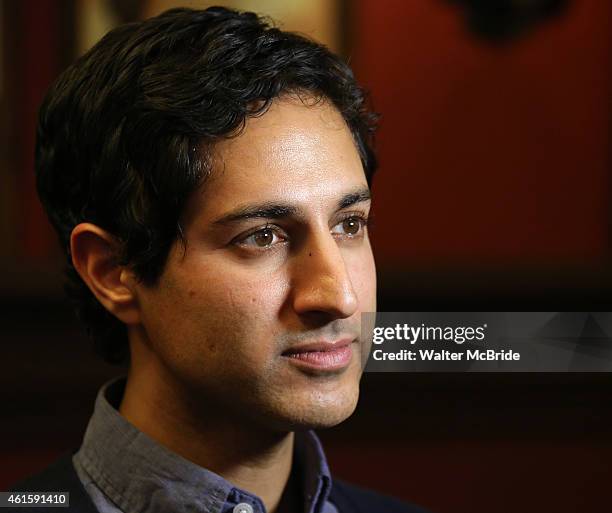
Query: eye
point(351, 226)
point(262, 238)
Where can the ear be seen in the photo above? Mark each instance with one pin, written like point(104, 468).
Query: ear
point(94, 254)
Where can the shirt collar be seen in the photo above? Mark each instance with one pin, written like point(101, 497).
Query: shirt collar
point(139, 475)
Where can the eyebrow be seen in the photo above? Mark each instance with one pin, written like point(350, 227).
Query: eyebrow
point(271, 210)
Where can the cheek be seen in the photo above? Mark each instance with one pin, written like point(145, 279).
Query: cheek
point(215, 331)
point(254, 297)
point(235, 312)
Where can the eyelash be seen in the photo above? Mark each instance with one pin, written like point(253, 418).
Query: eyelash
point(358, 216)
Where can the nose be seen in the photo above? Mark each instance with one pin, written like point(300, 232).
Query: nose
point(322, 285)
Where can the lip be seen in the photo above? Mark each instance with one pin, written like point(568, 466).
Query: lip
point(321, 355)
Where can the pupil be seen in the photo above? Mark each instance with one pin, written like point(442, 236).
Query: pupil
point(264, 238)
point(351, 226)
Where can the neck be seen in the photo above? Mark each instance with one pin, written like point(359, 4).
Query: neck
point(256, 460)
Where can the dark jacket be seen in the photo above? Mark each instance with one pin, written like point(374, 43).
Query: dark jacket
point(62, 477)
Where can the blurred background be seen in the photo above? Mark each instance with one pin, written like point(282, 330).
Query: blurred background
point(493, 195)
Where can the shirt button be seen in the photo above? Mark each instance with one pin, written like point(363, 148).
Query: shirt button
point(243, 507)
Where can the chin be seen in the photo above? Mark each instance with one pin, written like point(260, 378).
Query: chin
point(320, 411)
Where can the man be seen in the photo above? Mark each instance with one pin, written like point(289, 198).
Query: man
point(209, 179)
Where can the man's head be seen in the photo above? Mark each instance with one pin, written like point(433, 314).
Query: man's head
point(208, 177)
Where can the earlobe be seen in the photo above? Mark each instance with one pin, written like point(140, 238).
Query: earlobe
point(94, 254)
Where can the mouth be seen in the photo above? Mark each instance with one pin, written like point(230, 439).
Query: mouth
point(322, 356)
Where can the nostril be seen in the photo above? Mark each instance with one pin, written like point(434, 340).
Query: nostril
point(317, 319)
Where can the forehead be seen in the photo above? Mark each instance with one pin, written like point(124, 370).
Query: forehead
point(299, 152)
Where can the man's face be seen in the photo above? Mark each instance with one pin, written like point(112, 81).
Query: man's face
point(260, 316)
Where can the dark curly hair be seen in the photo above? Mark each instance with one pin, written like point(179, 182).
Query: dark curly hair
point(125, 133)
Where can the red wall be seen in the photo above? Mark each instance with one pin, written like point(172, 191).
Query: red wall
point(37, 67)
point(469, 476)
point(490, 154)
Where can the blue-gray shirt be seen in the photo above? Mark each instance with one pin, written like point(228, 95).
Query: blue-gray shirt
point(125, 471)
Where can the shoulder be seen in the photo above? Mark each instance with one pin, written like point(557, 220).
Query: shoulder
point(350, 498)
point(60, 476)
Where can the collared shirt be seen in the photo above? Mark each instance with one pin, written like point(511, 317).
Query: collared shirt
point(125, 471)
